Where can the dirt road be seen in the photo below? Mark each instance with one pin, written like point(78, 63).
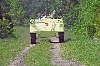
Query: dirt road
point(19, 60)
point(57, 59)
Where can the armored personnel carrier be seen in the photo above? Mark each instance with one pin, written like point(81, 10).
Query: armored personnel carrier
point(46, 24)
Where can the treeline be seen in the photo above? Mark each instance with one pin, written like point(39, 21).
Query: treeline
point(18, 13)
point(87, 24)
point(81, 16)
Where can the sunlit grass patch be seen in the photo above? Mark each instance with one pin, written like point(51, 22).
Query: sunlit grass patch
point(39, 55)
point(85, 51)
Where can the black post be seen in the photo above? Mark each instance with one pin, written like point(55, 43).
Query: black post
point(33, 38)
point(61, 37)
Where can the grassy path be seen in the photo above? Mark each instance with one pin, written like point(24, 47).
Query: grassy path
point(19, 60)
point(57, 59)
point(11, 47)
point(40, 56)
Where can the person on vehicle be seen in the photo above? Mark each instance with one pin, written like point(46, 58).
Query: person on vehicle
point(44, 16)
point(39, 16)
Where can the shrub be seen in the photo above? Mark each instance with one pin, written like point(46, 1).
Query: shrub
point(87, 23)
point(6, 28)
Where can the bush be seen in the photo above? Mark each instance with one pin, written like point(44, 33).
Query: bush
point(6, 28)
point(87, 23)
point(91, 31)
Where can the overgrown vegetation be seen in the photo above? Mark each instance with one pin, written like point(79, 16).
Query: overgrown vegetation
point(84, 51)
point(85, 47)
point(10, 48)
point(6, 28)
point(82, 17)
point(86, 24)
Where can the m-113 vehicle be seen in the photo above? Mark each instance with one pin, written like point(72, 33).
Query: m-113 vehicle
point(46, 24)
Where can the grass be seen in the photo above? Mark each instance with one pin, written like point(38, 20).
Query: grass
point(9, 48)
point(39, 55)
point(84, 51)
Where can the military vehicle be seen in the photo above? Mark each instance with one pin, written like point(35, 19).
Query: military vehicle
point(46, 24)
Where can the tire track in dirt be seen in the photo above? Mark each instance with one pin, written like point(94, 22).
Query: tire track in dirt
point(57, 59)
point(19, 60)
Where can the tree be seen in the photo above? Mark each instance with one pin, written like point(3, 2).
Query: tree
point(16, 11)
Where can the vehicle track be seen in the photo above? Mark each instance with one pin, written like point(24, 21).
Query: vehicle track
point(57, 59)
point(19, 60)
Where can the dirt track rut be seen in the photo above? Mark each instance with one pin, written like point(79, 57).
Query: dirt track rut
point(57, 59)
point(18, 61)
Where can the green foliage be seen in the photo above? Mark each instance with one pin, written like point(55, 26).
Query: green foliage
point(10, 48)
point(5, 29)
point(78, 14)
point(91, 30)
point(86, 18)
point(16, 11)
point(71, 16)
point(85, 51)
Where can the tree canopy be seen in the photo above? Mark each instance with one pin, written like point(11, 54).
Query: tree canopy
point(78, 15)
